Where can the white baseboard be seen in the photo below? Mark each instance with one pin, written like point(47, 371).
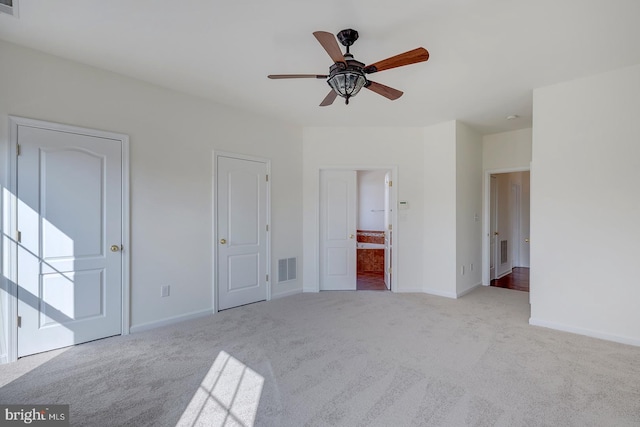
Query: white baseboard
point(286, 294)
point(506, 273)
point(583, 331)
point(170, 321)
point(439, 293)
point(4, 359)
point(463, 293)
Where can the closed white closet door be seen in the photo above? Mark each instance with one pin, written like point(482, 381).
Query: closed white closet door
point(241, 200)
point(69, 210)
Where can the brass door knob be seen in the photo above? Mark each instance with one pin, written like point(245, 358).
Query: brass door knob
point(351, 236)
point(223, 241)
point(115, 248)
point(526, 240)
point(495, 233)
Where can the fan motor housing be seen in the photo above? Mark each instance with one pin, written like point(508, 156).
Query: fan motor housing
point(347, 37)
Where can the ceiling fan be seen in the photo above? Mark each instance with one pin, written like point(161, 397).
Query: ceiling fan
point(347, 76)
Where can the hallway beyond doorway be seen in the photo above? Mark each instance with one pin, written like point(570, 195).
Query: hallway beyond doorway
point(518, 280)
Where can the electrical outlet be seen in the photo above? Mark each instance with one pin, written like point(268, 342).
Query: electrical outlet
point(164, 291)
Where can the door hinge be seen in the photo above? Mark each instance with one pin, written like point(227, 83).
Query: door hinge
point(267, 227)
point(390, 227)
point(267, 178)
point(18, 149)
point(390, 183)
point(19, 321)
point(267, 277)
point(19, 236)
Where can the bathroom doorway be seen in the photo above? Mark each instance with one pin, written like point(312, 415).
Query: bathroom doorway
point(356, 219)
point(374, 243)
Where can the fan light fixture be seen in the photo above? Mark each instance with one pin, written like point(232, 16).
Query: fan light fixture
point(347, 81)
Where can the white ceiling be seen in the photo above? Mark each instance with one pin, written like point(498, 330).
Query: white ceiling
point(486, 55)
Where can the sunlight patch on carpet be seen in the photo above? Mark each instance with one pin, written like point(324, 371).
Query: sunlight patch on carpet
point(12, 371)
point(228, 395)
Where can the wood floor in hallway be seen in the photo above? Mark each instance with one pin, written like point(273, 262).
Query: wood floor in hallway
point(518, 279)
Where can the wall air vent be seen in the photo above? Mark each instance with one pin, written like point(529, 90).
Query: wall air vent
point(504, 255)
point(9, 7)
point(287, 269)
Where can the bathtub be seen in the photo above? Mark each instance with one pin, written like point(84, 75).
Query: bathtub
point(362, 245)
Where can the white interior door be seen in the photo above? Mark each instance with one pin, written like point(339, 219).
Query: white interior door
point(516, 219)
point(387, 230)
point(69, 214)
point(525, 220)
point(242, 250)
point(503, 226)
point(493, 228)
point(338, 202)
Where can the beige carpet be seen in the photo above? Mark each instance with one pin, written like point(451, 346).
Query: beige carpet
point(342, 358)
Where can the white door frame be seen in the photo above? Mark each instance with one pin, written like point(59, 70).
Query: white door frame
point(214, 219)
point(394, 219)
point(10, 211)
point(486, 221)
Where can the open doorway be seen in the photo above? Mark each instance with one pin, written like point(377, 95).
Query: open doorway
point(373, 260)
point(356, 222)
point(508, 230)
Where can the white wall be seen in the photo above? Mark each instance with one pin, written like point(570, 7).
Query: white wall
point(584, 206)
point(357, 148)
point(425, 238)
point(439, 233)
point(507, 150)
point(468, 208)
point(371, 200)
point(172, 137)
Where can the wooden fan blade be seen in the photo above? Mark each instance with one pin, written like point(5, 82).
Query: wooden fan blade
point(330, 44)
point(386, 91)
point(413, 56)
point(328, 100)
point(297, 76)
